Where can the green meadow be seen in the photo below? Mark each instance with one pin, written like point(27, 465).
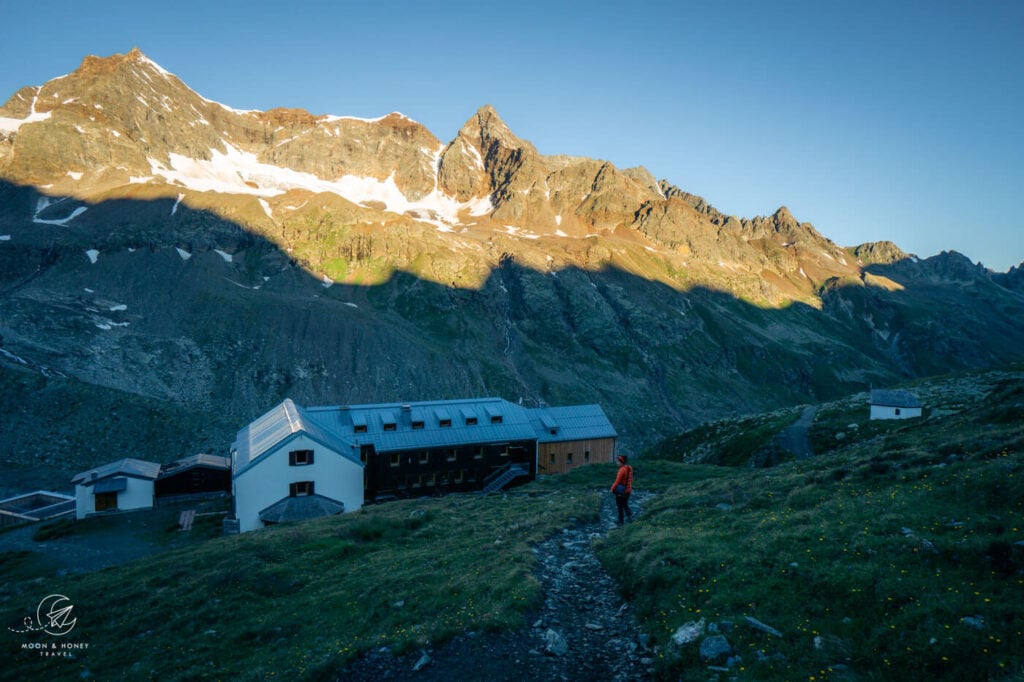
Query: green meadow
point(896, 552)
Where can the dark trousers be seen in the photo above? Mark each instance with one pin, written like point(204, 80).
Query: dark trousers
point(622, 504)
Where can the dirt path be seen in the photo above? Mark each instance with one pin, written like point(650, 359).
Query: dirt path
point(583, 631)
point(795, 438)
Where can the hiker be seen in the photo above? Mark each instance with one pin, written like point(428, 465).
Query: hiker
point(622, 487)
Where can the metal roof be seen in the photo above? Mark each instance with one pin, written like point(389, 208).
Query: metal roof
point(136, 468)
point(396, 427)
point(440, 423)
point(895, 398)
point(301, 507)
point(200, 460)
point(111, 485)
point(570, 423)
point(281, 423)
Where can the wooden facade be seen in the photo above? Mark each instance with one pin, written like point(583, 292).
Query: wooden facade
point(438, 470)
point(561, 457)
point(194, 476)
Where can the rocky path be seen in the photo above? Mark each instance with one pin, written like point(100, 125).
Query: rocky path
point(584, 631)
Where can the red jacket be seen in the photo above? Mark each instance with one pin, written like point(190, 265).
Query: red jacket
point(625, 477)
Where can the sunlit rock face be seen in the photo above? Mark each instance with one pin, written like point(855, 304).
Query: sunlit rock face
point(158, 243)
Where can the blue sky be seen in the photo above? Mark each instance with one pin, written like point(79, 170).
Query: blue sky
point(872, 120)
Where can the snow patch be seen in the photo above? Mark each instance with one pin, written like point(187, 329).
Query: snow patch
point(225, 255)
point(475, 155)
point(174, 209)
point(558, 219)
point(559, 233)
point(106, 325)
point(75, 175)
point(93, 255)
point(5, 237)
point(266, 208)
point(45, 202)
point(327, 282)
point(11, 125)
point(236, 172)
point(350, 305)
point(185, 255)
point(332, 118)
point(120, 307)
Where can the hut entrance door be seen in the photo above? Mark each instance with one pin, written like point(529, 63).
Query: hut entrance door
point(106, 501)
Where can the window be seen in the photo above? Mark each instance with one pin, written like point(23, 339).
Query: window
point(445, 423)
point(300, 488)
point(504, 451)
point(479, 454)
point(418, 424)
point(459, 475)
point(390, 426)
point(396, 459)
point(568, 458)
point(425, 457)
point(297, 458)
point(552, 461)
point(897, 411)
point(359, 428)
point(495, 418)
point(586, 456)
point(471, 421)
point(452, 455)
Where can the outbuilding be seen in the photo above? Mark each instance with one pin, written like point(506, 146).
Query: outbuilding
point(894, 404)
point(123, 485)
point(197, 476)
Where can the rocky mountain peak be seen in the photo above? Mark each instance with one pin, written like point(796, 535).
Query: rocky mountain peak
point(94, 66)
point(880, 253)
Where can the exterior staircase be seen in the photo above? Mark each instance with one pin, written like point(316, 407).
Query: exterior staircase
point(503, 476)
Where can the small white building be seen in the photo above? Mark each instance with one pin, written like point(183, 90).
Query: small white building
point(122, 485)
point(894, 404)
point(286, 467)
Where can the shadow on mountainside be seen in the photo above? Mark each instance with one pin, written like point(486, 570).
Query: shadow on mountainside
point(149, 298)
point(584, 630)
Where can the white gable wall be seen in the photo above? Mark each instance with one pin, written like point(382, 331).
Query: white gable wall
point(137, 495)
point(268, 481)
point(887, 412)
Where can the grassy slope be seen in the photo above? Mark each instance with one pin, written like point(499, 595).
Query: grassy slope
point(867, 559)
point(298, 601)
